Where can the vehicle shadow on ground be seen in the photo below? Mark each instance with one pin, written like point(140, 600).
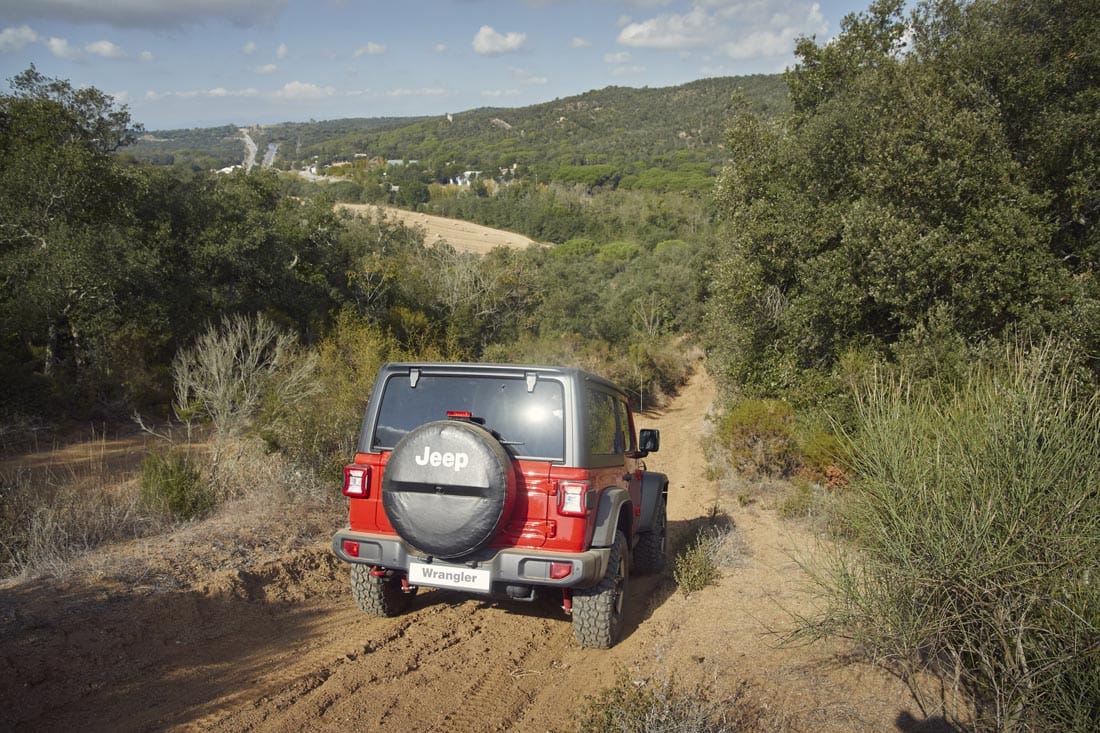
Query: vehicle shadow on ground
point(76, 657)
point(649, 592)
point(645, 593)
point(907, 723)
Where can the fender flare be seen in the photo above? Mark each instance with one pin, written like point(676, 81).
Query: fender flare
point(612, 501)
point(654, 485)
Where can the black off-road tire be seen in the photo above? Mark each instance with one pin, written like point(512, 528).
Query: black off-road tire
point(649, 553)
point(599, 611)
point(378, 596)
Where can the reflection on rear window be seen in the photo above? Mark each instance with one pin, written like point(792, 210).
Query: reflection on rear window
point(530, 424)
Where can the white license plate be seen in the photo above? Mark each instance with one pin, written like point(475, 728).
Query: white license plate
point(449, 576)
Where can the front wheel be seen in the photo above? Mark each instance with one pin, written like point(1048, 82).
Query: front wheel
point(598, 612)
point(378, 595)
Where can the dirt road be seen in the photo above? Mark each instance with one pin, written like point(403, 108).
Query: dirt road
point(462, 235)
point(245, 623)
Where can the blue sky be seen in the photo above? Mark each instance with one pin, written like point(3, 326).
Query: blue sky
point(197, 63)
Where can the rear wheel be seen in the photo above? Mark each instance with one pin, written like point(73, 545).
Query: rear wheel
point(378, 595)
point(599, 611)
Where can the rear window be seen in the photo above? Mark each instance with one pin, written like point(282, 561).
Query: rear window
point(530, 423)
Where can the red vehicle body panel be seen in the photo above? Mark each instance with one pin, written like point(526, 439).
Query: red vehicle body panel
point(534, 522)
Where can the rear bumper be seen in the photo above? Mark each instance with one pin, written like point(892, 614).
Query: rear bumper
point(510, 566)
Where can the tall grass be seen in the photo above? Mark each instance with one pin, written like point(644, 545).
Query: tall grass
point(47, 518)
point(971, 542)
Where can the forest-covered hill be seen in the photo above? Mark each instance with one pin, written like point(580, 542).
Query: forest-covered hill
point(626, 128)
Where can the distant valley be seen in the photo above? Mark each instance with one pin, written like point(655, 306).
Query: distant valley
point(604, 134)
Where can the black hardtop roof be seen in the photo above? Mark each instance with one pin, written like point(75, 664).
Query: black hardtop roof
point(516, 370)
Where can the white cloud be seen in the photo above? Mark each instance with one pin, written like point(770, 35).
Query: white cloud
point(627, 70)
point(105, 49)
point(297, 90)
point(496, 93)
point(371, 49)
point(528, 78)
point(216, 93)
point(734, 28)
point(249, 48)
point(693, 29)
point(266, 69)
point(281, 51)
point(440, 47)
point(152, 14)
point(760, 43)
point(60, 48)
point(488, 42)
point(16, 39)
point(616, 58)
point(422, 92)
point(146, 56)
point(579, 42)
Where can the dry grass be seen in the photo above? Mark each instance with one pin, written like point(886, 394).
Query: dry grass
point(58, 505)
point(52, 511)
point(662, 705)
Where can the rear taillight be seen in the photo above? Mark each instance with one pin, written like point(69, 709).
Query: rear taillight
point(351, 548)
point(356, 481)
point(575, 498)
point(559, 570)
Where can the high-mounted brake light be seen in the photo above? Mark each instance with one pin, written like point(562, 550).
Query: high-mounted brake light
point(356, 482)
point(575, 498)
point(466, 414)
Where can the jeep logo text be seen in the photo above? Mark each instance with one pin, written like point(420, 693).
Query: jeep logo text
point(458, 461)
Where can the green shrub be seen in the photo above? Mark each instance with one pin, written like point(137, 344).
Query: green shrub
point(663, 706)
point(699, 563)
point(695, 569)
point(799, 500)
point(972, 540)
point(759, 437)
point(651, 369)
point(170, 482)
point(323, 434)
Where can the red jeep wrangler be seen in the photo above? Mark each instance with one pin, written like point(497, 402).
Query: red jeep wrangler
point(498, 480)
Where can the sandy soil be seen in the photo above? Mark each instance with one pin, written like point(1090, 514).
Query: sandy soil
point(462, 235)
point(245, 623)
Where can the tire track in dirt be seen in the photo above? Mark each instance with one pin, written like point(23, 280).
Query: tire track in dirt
point(235, 643)
point(450, 664)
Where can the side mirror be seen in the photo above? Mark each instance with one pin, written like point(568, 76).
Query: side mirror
point(649, 440)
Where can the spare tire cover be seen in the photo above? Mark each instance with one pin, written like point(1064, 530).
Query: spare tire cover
point(447, 487)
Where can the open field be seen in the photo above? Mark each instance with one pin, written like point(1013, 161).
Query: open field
point(462, 235)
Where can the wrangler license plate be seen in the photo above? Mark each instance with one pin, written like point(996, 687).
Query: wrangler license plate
point(449, 576)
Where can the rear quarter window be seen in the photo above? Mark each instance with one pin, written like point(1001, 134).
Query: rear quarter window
point(604, 438)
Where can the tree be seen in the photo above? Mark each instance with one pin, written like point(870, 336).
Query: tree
point(65, 220)
point(893, 196)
